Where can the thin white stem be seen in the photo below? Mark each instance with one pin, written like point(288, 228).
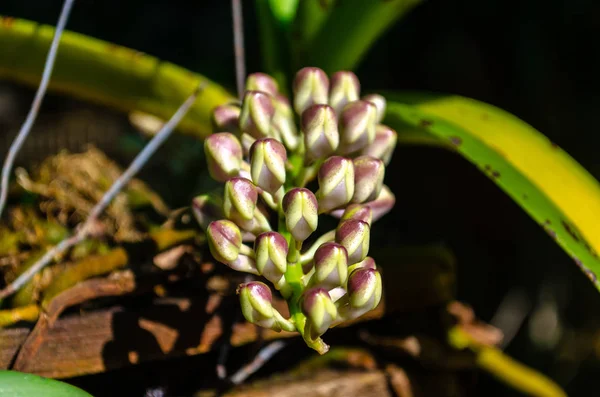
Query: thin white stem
point(16, 145)
point(238, 45)
point(264, 355)
point(84, 230)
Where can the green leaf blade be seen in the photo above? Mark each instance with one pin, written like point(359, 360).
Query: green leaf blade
point(557, 192)
point(350, 30)
point(107, 74)
point(18, 384)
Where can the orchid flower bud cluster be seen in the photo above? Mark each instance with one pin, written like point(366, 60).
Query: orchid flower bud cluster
point(267, 152)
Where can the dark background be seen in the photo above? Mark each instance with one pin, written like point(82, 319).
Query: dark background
point(537, 59)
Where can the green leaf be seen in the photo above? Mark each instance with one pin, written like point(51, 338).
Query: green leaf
point(107, 74)
point(274, 40)
point(312, 15)
point(17, 384)
point(555, 190)
point(351, 29)
point(284, 10)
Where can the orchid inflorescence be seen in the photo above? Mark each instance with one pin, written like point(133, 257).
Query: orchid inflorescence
point(266, 163)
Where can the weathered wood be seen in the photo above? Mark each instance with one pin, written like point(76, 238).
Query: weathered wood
point(88, 343)
point(120, 284)
point(117, 337)
point(326, 383)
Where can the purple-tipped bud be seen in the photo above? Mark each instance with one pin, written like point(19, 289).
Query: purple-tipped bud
point(321, 137)
point(267, 164)
point(367, 263)
point(257, 305)
point(261, 82)
point(206, 209)
point(382, 204)
point(336, 183)
point(345, 88)
point(301, 213)
point(359, 213)
point(257, 114)
point(284, 125)
point(368, 178)
point(331, 266)
point(223, 155)
point(357, 126)
point(320, 311)
point(384, 144)
point(379, 103)
point(239, 200)
point(365, 289)
point(224, 240)
point(354, 236)
point(311, 86)
point(227, 118)
point(271, 250)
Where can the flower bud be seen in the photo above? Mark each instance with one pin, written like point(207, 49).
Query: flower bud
point(257, 304)
point(379, 103)
point(224, 240)
point(261, 82)
point(345, 88)
point(257, 114)
point(384, 144)
point(301, 213)
point(271, 250)
point(331, 266)
point(336, 183)
point(207, 208)
point(223, 155)
point(267, 164)
point(358, 212)
point(364, 289)
point(227, 118)
point(382, 204)
point(357, 126)
point(321, 137)
point(320, 311)
point(311, 86)
point(240, 199)
point(284, 125)
point(367, 263)
point(368, 178)
point(354, 236)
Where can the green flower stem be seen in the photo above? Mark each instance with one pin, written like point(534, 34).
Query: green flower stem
point(262, 220)
point(308, 173)
point(308, 255)
point(294, 252)
point(294, 278)
point(285, 324)
point(245, 250)
point(270, 201)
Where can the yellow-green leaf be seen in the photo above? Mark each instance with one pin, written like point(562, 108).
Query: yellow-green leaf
point(107, 74)
point(555, 190)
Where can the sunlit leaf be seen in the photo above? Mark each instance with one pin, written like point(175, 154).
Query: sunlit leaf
point(17, 384)
point(555, 190)
point(284, 10)
point(105, 73)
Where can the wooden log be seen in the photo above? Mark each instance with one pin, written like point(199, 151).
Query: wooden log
point(326, 383)
point(117, 337)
